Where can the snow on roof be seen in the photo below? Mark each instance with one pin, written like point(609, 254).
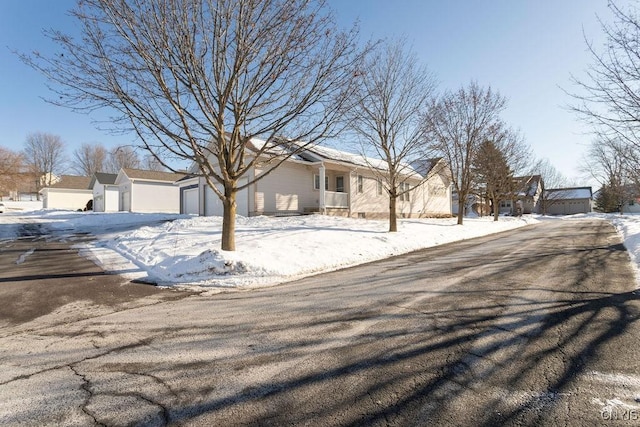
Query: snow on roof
point(528, 185)
point(569, 193)
point(316, 153)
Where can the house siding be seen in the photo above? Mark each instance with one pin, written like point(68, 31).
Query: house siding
point(288, 189)
point(60, 198)
point(368, 202)
point(569, 207)
point(432, 198)
point(105, 198)
point(154, 197)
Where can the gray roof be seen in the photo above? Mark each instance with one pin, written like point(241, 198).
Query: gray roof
point(73, 182)
point(105, 178)
point(147, 175)
point(569, 193)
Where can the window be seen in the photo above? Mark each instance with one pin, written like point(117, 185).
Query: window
point(360, 184)
point(404, 186)
point(340, 184)
point(379, 187)
point(316, 182)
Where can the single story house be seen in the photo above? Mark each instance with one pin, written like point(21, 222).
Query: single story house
point(148, 191)
point(568, 201)
point(105, 192)
point(329, 181)
point(70, 192)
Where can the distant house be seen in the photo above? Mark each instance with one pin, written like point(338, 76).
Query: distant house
point(70, 192)
point(328, 181)
point(105, 192)
point(624, 198)
point(148, 191)
point(568, 201)
point(528, 190)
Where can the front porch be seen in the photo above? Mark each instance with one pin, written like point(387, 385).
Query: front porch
point(334, 194)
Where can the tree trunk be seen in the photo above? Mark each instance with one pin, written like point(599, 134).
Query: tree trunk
point(229, 219)
point(393, 217)
point(460, 211)
point(496, 209)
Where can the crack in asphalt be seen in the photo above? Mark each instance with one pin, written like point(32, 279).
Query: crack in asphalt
point(86, 387)
point(142, 343)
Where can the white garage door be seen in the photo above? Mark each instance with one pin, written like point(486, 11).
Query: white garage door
point(125, 201)
point(190, 202)
point(213, 204)
point(110, 200)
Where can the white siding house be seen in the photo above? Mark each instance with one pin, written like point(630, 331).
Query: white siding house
point(329, 181)
point(106, 197)
point(196, 198)
point(148, 191)
point(70, 192)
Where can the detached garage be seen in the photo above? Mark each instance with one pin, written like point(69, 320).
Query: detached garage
point(70, 192)
point(148, 191)
point(568, 201)
point(105, 192)
point(196, 198)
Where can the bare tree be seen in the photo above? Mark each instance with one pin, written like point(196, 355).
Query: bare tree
point(391, 94)
point(89, 159)
point(609, 98)
point(151, 163)
point(613, 163)
point(10, 169)
point(552, 177)
point(44, 154)
point(122, 157)
point(198, 79)
point(456, 125)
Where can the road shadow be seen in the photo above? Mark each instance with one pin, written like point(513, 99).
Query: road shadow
point(494, 349)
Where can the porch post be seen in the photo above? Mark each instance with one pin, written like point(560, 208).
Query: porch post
point(323, 209)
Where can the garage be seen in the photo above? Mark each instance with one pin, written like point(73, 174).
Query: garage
point(190, 204)
point(213, 204)
point(198, 198)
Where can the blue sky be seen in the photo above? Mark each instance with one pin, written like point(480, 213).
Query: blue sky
point(526, 49)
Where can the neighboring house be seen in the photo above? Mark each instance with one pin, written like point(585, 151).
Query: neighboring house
point(148, 191)
point(471, 206)
point(105, 192)
point(70, 192)
point(568, 201)
point(325, 180)
point(529, 190)
point(629, 193)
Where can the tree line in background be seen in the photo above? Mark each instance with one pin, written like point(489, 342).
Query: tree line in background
point(609, 100)
point(197, 81)
point(44, 157)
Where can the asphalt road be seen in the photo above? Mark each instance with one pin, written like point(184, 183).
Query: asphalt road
point(537, 326)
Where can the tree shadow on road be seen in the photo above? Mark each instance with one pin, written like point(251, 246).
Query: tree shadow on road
point(492, 349)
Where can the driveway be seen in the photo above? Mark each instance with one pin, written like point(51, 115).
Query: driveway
point(41, 273)
point(537, 326)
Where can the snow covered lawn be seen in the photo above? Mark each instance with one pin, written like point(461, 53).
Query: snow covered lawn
point(271, 250)
point(184, 251)
point(179, 250)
